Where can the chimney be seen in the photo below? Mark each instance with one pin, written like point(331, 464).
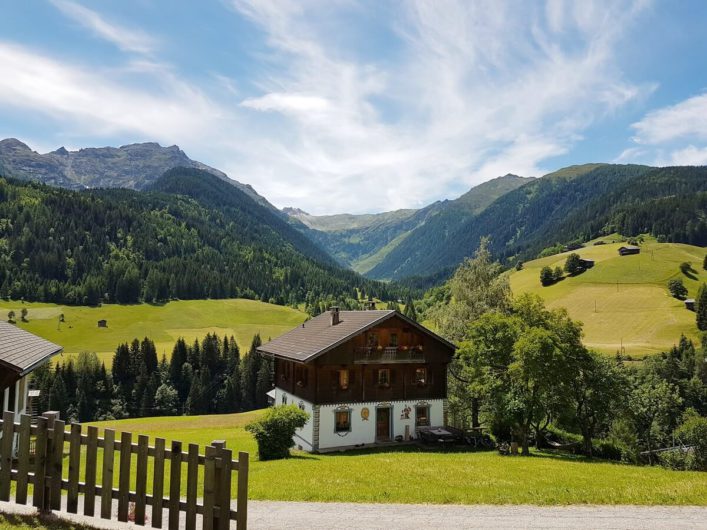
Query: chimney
point(334, 312)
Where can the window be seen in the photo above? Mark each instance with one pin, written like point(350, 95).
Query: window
point(393, 340)
point(421, 376)
point(372, 340)
point(343, 379)
point(284, 399)
point(342, 420)
point(384, 377)
point(422, 416)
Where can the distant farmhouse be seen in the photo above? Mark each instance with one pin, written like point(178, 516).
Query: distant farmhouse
point(587, 263)
point(365, 377)
point(102, 323)
point(629, 249)
point(20, 354)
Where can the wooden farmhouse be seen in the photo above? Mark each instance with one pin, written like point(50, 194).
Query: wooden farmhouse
point(365, 377)
point(20, 353)
point(628, 250)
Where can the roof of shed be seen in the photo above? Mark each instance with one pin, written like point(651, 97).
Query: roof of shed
point(22, 351)
point(317, 336)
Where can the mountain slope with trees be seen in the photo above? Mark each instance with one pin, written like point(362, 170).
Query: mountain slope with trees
point(363, 241)
point(125, 246)
point(670, 203)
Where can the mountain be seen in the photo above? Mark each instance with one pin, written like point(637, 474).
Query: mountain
point(363, 241)
point(133, 166)
point(189, 235)
point(576, 203)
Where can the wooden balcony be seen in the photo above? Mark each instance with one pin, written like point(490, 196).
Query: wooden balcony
point(389, 355)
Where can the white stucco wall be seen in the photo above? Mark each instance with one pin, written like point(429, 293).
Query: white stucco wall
point(304, 436)
point(362, 431)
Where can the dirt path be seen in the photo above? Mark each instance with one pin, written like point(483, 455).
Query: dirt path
point(266, 515)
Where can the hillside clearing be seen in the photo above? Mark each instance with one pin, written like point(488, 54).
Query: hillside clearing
point(412, 475)
point(623, 300)
point(164, 324)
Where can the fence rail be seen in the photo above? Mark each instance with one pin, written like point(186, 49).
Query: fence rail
point(33, 454)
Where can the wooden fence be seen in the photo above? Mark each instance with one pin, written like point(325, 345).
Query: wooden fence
point(43, 470)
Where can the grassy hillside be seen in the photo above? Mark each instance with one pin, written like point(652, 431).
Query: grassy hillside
point(411, 475)
point(162, 323)
point(623, 300)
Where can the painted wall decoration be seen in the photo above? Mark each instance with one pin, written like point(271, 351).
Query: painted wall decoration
point(365, 413)
point(405, 413)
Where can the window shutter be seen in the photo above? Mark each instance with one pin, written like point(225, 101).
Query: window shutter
point(392, 377)
point(334, 379)
point(352, 378)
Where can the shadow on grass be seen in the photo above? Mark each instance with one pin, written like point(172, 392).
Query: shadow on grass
point(51, 522)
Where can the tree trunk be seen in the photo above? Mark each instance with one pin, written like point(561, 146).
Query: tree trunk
point(526, 445)
point(587, 439)
point(474, 413)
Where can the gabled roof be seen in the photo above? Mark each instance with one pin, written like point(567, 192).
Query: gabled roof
point(21, 351)
point(317, 336)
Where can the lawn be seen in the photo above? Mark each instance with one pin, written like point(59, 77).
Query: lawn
point(623, 301)
point(162, 323)
point(48, 522)
point(411, 475)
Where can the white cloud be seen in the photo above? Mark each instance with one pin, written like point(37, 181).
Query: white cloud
point(100, 103)
point(479, 89)
point(127, 39)
point(687, 119)
point(457, 93)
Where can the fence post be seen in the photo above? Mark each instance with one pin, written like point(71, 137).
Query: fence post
point(242, 499)
point(209, 486)
point(23, 459)
point(126, 440)
point(40, 465)
point(107, 479)
point(8, 436)
point(175, 484)
point(89, 498)
point(55, 463)
point(158, 483)
point(219, 445)
point(72, 497)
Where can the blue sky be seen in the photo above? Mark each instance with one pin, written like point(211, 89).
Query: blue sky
point(345, 106)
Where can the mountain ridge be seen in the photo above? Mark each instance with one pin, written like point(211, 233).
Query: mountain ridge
point(130, 166)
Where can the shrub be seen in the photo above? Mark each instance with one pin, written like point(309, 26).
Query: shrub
point(558, 273)
point(704, 263)
point(686, 268)
point(274, 431)
point(574, 265)
point(693, 432)
point(546, 276)
point(677, 289)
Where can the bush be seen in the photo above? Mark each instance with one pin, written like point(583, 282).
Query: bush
point(693, 432)
point(677, 289)
point(274, 431)
point(574, 264)
point(546, 276)
point(686, 268)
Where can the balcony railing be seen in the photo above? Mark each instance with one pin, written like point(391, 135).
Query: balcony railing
point(391, 354)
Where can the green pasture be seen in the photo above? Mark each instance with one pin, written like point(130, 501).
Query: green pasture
point(413, 475)
point(623, 301)
point(164, 324)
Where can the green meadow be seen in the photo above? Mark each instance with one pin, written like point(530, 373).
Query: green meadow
point(414, 475)
point(623, 301)
point(164, 324)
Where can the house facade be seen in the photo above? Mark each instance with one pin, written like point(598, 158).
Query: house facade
point(628, 250)
point(364, 377)
point(21, 352)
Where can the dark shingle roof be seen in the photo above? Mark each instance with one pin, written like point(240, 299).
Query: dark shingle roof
point(317, 336)
point(22, 351)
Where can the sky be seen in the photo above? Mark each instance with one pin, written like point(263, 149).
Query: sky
point(346, 106)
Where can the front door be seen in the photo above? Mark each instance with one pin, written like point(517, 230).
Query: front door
point(382, 424)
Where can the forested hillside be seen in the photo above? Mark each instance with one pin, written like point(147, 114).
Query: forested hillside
point(123, 246)
point(363, 241)
point(589, 201)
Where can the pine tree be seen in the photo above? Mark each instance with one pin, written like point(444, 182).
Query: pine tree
point(263, 383)
point(176, 369)
point(701, 308)
point(58, 399)
point(410, 309)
